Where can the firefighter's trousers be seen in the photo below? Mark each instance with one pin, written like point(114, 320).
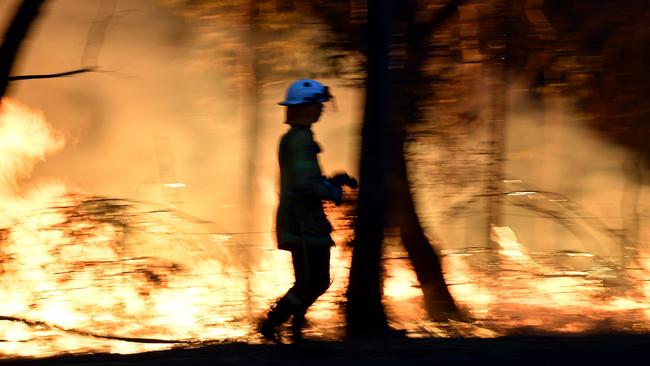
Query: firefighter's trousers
point(311, 266)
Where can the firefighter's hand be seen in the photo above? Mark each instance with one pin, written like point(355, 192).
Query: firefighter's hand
point(335, 192)
point(343, 179)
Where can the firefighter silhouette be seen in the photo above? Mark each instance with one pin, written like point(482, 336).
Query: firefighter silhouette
point(301, 224)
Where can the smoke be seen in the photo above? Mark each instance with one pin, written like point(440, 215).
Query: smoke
point(110, 116)
point(161, 120)
point(548, 149)
point(553, 150)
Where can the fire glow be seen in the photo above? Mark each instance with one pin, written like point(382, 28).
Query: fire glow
point(95, 274)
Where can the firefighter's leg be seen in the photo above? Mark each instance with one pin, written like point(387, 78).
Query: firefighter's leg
point(289, 304)
point(318, 273)
point(316, 282)
point(301, 266)
point(297, 323)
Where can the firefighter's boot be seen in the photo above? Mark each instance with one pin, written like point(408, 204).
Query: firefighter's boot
point(278, 314)
point(297, 323)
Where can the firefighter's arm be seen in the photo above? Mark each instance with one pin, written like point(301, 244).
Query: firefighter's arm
point(308, 180)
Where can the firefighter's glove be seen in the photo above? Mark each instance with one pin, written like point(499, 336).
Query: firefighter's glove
point(343, 179)
point(335, 192)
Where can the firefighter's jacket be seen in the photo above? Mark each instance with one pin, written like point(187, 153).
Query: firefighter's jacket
point(300, 218)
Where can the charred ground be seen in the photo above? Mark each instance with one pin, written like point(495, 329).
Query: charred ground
point(511, 350)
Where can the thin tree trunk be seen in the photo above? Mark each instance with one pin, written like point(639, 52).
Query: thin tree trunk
point(252, 95)
point(499, 23)
point(633, 170)
point(365, 311)
point(13, 38)
point(426, 263)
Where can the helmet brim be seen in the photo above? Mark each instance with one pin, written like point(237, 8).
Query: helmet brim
point(288, 103)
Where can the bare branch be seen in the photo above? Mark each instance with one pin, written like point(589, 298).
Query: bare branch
point(50, 76)
point(421, 33)
point(97, 32)
point(440, 17)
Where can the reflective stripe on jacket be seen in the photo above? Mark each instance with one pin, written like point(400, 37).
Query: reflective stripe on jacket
point(300, 218)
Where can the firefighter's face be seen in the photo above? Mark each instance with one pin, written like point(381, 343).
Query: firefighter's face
point(314, 111)
point(304, 114)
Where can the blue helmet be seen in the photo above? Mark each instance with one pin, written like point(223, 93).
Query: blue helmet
point(305, 91)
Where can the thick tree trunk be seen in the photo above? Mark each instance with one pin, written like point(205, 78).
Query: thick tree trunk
point(393, 112)
point(13, 38)
point(365, 311)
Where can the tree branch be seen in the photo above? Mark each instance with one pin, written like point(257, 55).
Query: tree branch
point(25, 14)
point(440, 17)
point(348, 36)
point(421, 33)
point(50, 76)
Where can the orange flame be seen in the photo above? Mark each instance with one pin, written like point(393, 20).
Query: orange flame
point(82, 274)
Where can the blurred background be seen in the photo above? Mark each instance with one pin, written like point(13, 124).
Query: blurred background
point(148, 212)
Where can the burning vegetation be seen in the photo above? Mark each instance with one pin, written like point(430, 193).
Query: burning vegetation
point(88, 274)
point(82, 272)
